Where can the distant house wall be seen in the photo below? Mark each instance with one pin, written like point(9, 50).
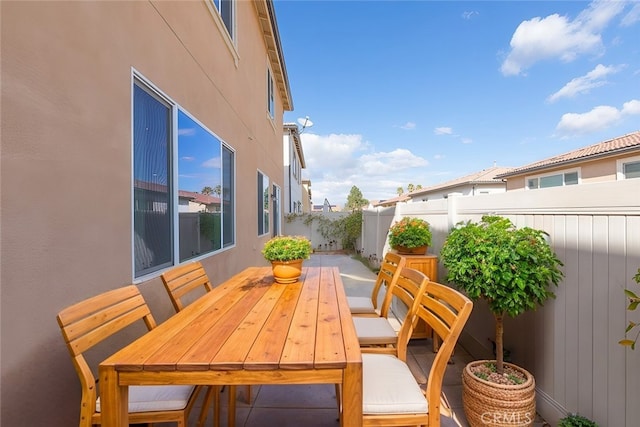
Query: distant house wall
point(66, 153)
point(570, 344)
point(465, 190)
point(599, 170)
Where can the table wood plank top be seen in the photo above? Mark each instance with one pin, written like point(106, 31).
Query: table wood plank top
point(249, 330)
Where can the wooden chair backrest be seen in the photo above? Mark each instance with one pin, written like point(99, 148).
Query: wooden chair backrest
point(387, 276)
point(184, 279)
point(89, 322)
point(446, 311)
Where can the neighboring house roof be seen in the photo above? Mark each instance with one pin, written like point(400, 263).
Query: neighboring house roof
point(192, 195)
point(199, 197)
point(269, 26)
point(391, 202)
point(615, 146)
point(295, 133)
point(485, 176)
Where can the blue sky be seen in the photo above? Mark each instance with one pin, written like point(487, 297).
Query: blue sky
point(423, 92)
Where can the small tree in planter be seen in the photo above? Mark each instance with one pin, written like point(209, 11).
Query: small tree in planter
point(511, 268)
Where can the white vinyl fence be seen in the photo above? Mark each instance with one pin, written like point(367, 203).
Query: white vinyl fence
point(570, 344)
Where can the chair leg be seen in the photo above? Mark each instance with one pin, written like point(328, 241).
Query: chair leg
point(247, 395)
point(212, 394)
point(339, 400)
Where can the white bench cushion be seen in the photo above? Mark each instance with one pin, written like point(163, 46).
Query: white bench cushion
point(157, 398)
point(361, 305)
point(374, 330)
point(389, 387)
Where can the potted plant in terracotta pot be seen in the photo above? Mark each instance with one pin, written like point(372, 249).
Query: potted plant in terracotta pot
point(512, 269)
point(286, 254)
point(410, 236)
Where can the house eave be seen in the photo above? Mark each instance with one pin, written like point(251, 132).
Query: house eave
point(271, 35)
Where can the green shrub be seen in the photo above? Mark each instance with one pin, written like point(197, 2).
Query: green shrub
point(576, 421)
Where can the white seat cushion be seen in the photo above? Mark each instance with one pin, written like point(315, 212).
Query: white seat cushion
point(157, 398)
point(361, 305)
point(374, 330)
point(389, 387)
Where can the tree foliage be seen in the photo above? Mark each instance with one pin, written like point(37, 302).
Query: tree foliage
point(355, 200)
point(634, 301)
point(511, 268)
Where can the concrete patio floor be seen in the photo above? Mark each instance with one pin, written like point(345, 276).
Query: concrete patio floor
point(315, 405)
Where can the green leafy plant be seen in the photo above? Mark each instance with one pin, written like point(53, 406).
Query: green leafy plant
point(634, 301)
point(410, 233)
point(287, 248)
point(576, 421)
point(511, 268)
point(346, 229)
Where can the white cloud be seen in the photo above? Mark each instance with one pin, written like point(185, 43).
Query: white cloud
point(593, 79)
point(186, 131)
point(632, 17)
point(408, 126)
point(215, 163)
point(469, 14)
point(557, 37)
point(443, 131)
point(466, 140)
point(337, 162)
point(599, 118)
point(631, 108)
point(382, 163)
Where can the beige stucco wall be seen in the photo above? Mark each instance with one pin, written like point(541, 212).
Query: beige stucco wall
point(599, 170)
point(66, 165)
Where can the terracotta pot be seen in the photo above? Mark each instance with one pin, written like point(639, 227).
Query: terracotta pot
point(420, 250)
point(487, 404)
point(286, 271)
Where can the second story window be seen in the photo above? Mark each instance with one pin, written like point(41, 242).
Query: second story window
point(270, 99)
point(629, 168)
point(552, 180)
point(226, 9)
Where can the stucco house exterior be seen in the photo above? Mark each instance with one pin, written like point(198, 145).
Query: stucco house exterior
point(115, 117)
point(610, 160)
point(474, 184)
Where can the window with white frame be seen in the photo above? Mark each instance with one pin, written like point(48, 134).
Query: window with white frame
point(227, 10)
point(628, 168)
point(553, 180)
point(270, 94)
point(183, 185)
point(263, 203)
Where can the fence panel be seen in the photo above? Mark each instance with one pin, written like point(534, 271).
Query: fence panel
point(570, 344)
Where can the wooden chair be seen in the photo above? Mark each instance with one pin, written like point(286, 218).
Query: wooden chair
point(387, 276)
point(378, 333)
point(180, 282)
point(90, 322)
point(391, 394)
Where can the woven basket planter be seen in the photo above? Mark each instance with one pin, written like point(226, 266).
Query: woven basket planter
point(488, 404)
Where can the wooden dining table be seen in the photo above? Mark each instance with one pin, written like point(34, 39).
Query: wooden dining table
point(248, 330)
